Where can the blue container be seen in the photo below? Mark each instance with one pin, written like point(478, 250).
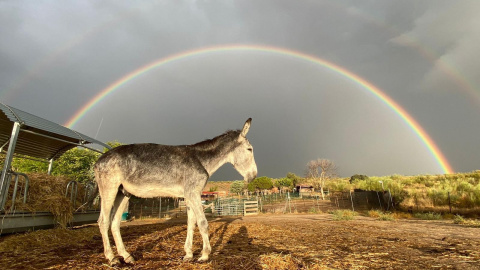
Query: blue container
point(125, 216)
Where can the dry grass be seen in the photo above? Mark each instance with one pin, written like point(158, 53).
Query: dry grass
point(258, 242)
point(46, 193)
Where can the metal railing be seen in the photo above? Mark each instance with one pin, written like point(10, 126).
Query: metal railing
point(25, 192)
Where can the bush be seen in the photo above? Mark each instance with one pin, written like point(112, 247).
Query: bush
point(428, 216)
point(338, 184)
point(343, 215)
point(386, 217)
point(357, 177)
point(401, 215)
point(374, 213)
point(458, 219)
point(438, 196)
point(464, 186)
point(314, 210)
point(237, 187)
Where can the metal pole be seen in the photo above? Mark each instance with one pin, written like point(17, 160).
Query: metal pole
point(8, 162)
point(351, 199)
point(379, 202)
point(50, 166)
point(160, 208)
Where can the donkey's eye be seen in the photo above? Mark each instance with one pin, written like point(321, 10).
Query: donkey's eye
point(250, 149)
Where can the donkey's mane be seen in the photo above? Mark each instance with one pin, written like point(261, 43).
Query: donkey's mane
point(210, 143)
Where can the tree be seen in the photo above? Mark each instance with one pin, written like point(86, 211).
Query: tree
point(25, 165)
point(358, 177)
point(319, 171)
point(295, 178)
point(260, 183)
point(284, 183)
point(112, 144)
point(77, 163)
point(237, 187)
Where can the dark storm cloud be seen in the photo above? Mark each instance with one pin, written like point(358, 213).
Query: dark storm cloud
point(55, 57)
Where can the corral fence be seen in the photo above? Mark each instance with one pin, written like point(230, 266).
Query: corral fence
point(357, 200)
point(163, 207)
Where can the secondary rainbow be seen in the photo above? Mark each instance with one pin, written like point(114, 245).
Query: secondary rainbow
point(417, 129)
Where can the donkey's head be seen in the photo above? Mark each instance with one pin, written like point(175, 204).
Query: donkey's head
point(243, 159)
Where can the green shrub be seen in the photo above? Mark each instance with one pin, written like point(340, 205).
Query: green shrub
point(338, 185)
point(458, 219)
point(428, 216)
point(438, 196)
point(357, 177)
point(314, 210)
point(386, 217)
point(343, 215)
point(464, 186)
point(237, 187)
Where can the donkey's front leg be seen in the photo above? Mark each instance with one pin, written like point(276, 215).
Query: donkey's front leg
point(190, 230)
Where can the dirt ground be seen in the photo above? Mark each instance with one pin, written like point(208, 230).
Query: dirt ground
point(293, 241)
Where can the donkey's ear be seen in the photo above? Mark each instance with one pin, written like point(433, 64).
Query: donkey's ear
point(246, 127)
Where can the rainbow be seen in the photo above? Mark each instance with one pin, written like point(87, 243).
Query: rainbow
point(417, 129)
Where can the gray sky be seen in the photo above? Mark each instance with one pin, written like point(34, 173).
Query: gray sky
point(55, 56)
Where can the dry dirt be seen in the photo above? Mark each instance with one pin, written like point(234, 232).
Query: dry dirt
point(294, 241)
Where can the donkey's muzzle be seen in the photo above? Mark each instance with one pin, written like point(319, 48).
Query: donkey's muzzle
point(250, 176)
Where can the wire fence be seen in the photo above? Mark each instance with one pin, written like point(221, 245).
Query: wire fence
point(295, 202)
point(163, 207)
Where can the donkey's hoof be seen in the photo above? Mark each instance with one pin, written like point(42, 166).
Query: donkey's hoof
point(129, 260)
point(188, 258)
point(115, 261)
point(203, 259)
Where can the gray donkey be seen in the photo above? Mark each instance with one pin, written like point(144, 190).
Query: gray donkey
point(154, 170)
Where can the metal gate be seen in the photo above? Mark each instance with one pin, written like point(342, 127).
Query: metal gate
point(235, 207)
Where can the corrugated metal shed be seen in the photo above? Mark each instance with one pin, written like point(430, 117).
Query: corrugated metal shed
point(39, 137)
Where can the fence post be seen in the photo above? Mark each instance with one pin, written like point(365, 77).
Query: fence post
point(351, 199)
point(153, 207)
point(379, 202)
point(160, 208)
point(391, 200)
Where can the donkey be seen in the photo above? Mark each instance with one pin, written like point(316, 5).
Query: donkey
point(154, 170)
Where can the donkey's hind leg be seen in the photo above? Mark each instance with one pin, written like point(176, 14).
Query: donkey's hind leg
point(202, 223)
point(107, 196)
point(118, 208)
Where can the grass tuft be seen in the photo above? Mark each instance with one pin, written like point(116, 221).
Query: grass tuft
point(428, 216)
point(343, 215)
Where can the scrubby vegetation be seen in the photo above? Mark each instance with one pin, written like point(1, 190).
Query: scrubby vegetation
point(460, 190)
point(343, 215)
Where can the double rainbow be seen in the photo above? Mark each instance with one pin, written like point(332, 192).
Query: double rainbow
point(417, 129)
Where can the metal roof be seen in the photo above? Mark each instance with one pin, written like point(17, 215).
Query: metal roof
point(39, 138)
